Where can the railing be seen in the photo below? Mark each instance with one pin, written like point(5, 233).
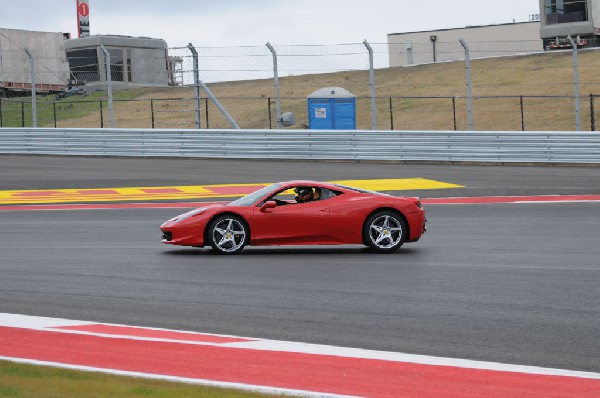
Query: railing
point(436, 146)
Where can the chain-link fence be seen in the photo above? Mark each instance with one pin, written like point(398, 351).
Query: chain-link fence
point(480, 86)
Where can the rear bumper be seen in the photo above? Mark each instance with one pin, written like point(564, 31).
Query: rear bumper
point(418, 226)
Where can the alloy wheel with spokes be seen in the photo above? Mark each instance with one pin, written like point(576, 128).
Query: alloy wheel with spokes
point(227, 234)
point(385, 231)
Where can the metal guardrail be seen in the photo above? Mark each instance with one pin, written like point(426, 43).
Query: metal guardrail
point(442, 146)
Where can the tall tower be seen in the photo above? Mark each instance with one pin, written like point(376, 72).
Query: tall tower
point(83, 18)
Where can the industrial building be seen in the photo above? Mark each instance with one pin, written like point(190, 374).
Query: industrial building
point(133, 60)
point(579, 19)
point(414, 48)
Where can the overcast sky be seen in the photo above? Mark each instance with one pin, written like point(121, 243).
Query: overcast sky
point(216, 23)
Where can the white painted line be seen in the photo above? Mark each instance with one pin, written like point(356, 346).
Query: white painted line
point(36, 322)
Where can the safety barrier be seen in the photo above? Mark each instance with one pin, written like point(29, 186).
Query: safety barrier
point(440, 146)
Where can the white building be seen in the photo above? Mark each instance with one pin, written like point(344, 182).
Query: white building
point(415, 48)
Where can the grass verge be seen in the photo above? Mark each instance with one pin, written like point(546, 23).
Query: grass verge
point(32, 381)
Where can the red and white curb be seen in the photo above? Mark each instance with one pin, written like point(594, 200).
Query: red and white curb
point(278, 367)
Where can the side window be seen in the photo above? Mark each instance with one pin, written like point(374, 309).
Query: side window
point(291, 196)
point(284, 197)
point(328, 193)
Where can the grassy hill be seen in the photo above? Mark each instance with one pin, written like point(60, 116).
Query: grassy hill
point(498, 84)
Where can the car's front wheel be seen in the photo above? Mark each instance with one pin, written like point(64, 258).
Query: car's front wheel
point(385, 231)
point(227, 234)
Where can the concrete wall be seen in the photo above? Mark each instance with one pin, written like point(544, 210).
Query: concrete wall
point(48, 50)
point(149, 66)
point(415, 48)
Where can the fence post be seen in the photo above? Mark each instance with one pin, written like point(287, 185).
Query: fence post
point(592, 113)
point(218, 104)
point(54, 114)
point(152, 112)
point(206, 112)
point(196, 83)
point(22, 114)
point(469, 84)
point(372, 84)
point(1, 121)
point(276, 84)
point(391, 115)
point(522, 114)
point(270, 113)
point(454, 113)
point(33, 88)
point(576, 82)
point(101, 116)
point(109, 86)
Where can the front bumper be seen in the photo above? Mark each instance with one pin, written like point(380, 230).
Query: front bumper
point(182, 234)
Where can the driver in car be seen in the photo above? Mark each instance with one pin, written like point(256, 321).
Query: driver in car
point(307, 194)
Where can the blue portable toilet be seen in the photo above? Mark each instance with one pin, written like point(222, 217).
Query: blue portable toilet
point(332, 108)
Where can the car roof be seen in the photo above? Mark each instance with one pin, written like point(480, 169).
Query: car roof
point(312, 184)
point(303, 182)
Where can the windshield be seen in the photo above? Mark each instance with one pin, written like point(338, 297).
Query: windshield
point(249, 200)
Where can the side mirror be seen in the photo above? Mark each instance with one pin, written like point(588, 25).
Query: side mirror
point(268, 205)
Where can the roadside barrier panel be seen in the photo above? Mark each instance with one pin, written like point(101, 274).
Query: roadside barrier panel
point(443, 146)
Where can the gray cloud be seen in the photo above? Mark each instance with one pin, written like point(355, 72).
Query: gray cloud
point(253, 22)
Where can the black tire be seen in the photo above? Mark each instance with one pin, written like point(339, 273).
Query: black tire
point(227, 234)
point(385, 231)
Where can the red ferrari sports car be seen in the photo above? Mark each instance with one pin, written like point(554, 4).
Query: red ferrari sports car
point(301, 213)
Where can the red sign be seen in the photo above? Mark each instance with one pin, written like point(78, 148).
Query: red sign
point(83, 18)
point(83, 9)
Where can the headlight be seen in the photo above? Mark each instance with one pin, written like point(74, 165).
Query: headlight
point(418, 203)
point(188, 214)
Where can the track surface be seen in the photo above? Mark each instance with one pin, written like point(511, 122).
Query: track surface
point(511, 283)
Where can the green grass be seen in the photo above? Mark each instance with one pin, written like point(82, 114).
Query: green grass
point(24, 380)
point(16, 112)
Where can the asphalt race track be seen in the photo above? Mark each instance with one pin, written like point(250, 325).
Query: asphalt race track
point(511, 283)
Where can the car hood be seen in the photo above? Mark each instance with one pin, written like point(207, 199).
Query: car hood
point(196, 211)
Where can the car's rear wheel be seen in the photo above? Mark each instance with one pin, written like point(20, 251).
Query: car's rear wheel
point(227, 234)
point(385, 231)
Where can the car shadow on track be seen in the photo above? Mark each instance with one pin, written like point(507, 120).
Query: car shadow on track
point(262, 251)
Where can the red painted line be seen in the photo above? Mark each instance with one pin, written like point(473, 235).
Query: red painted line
point(85, 206)
point(512, 199)
point(130, 331)
point(36, 193)
point(161, 190)
point(235, 190)
point(97, 192)
point(300, 371)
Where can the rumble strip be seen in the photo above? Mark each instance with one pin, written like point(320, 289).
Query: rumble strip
point(271, 366)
